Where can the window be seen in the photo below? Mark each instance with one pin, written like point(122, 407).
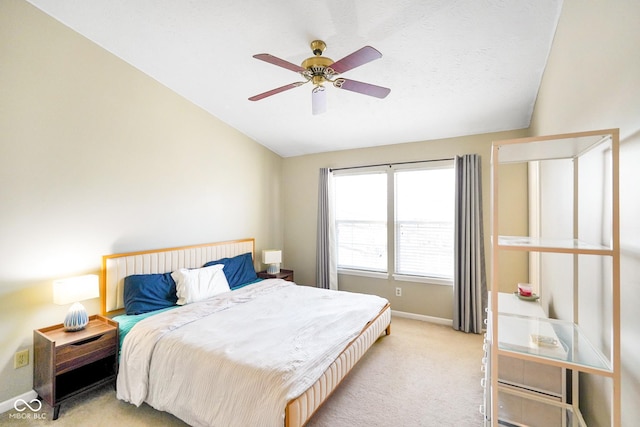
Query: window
point(397, 219)
point(424, 207)
point(361, 221)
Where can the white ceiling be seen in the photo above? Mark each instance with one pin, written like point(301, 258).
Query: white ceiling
point(454, 67)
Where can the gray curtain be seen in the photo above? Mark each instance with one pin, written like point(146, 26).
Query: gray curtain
point(470, 283)
point(326, 264)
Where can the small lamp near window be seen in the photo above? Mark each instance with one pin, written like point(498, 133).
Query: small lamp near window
point(273, 257)
point(72, 291)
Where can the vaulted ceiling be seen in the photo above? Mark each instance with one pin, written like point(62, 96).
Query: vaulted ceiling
point(454, 67)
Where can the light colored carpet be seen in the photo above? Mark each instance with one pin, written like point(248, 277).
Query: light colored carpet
point(421, 375)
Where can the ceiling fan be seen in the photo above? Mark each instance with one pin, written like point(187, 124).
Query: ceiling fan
point(319, 69)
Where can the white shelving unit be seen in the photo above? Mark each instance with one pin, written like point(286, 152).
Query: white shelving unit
point(573, 352)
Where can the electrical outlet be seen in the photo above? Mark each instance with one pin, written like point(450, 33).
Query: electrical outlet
point(21, 358)
point(398, 292)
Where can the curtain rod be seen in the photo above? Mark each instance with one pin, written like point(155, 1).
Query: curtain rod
point(391, 164)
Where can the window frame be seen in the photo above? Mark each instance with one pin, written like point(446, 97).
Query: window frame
point(390, 170)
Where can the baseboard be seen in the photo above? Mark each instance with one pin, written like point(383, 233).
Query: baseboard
point(7, 405)
point(422, 317)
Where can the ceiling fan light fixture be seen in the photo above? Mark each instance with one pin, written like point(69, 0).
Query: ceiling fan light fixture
point(318, 100)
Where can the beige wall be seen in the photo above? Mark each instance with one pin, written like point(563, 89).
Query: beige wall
point(97, 158)
point(300, 178)
point(513, 211)
point(591, 82)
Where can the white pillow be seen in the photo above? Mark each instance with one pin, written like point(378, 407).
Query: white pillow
point(199, 283)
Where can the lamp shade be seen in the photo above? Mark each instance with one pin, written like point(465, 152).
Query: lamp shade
point(271, 256)
point(74, 289)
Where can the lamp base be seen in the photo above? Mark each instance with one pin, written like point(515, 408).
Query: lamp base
point(273, 269)
point(76, 318)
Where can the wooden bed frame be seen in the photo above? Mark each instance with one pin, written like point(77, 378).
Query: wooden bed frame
point(299, 410)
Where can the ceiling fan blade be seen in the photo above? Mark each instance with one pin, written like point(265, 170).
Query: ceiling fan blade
point(279, 62)
point(363, 88)
point(357, 58)
point(318, 100)
point(275, 91)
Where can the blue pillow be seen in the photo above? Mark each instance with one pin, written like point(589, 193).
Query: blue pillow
point(238, 270)
point(148, 292)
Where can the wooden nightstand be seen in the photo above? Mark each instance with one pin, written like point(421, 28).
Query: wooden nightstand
point(69, 363)
point(284, 274)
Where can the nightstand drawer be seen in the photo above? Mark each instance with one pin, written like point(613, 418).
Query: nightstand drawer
point(74, 355)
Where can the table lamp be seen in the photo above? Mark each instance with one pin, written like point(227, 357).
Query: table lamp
point(71, 291)
point(273, 257)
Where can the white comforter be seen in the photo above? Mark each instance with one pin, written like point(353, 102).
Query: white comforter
point(238, 358)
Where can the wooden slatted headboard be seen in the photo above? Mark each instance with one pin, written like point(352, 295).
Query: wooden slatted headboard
point(116, 267)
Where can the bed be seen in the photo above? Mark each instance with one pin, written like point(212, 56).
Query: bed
point(264, 360)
